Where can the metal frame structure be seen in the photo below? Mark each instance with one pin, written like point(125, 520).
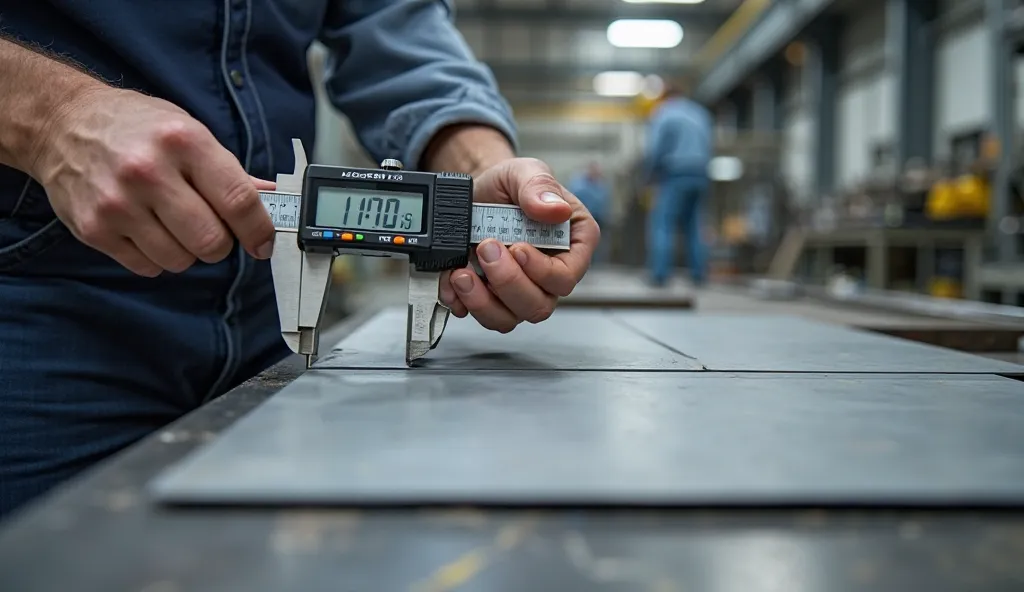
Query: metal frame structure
point(912, 30)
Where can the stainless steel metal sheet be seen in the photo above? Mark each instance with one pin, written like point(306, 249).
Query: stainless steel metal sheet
point(377, 437)
point(761, 343)
point(569, 340)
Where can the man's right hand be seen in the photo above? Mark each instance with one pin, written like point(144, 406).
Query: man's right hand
point(139, 179)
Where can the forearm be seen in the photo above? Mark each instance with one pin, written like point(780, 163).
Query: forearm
point(35, 92)
point(470, 149)
point(431, 93)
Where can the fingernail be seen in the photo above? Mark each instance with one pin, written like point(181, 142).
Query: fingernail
point(489, 251)
point(265, 250)
point(551, 198)
point(520, 255)
point(463, 283)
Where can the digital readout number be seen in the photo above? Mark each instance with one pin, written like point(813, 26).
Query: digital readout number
point(384, 213)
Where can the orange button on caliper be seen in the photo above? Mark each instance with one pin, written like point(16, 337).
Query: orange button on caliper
point(347, 236)
point(399, 240)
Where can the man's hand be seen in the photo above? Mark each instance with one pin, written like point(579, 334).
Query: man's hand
point(523, 284)
point(139, 179)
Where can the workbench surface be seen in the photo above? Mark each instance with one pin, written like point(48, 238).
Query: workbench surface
point(103, 533)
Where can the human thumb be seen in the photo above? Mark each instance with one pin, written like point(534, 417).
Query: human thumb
point(536, 191)
point(263, 184)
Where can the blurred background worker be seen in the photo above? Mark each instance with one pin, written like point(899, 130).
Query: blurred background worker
point(591, 187)
point(679, 149)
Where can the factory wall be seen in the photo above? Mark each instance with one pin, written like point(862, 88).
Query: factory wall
point(567, 146)
point(798, 138)
point(962, 101)
point(864, 113)
point(866, 101)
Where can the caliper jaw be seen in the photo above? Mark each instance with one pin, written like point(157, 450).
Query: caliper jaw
point(301, 280)
point(427, 316)
point(452, 218)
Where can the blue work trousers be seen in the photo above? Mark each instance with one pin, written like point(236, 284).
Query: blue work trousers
point(679, 204)
point(94, 358)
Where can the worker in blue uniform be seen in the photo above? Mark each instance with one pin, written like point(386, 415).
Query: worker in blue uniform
point(134, 136)
point(594, 191)
point(678, 152)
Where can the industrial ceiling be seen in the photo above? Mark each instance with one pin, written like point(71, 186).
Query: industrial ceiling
point(554, 49)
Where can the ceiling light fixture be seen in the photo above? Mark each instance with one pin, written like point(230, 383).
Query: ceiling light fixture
point(618, 84)
point(647, 33)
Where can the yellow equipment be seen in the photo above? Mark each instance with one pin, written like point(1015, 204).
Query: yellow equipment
point(943, 287)
point(645, 105)
point(972, 196)
point(967, 196)
point(941, 202)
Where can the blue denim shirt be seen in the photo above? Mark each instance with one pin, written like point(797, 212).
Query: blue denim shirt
point(398, 69)
point(679, 140)
point(594, 194)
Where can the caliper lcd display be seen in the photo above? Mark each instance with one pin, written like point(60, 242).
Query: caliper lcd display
point(372, 210)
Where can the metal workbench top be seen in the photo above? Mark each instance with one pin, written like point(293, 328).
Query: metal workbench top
point(103, 532)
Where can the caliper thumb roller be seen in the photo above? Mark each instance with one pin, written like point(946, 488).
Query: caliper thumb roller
point(321, 211)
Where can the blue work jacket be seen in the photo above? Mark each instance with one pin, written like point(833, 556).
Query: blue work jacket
point(679, 140)
point(398, 69)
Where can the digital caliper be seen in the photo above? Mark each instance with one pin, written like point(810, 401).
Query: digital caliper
point(322, 211)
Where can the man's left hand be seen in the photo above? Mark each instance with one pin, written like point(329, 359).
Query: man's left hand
point(523, 284)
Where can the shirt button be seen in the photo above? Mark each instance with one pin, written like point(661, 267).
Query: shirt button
point(237, 78)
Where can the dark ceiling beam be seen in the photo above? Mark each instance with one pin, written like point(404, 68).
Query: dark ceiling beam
point(687, 15)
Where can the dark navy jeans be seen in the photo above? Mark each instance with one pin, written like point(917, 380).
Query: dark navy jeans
point(93, 357)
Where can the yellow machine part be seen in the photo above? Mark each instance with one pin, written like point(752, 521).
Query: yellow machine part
point(941, 202)
point(972, 197)
point(945, 288)
point(645, 105)
point(966, 196)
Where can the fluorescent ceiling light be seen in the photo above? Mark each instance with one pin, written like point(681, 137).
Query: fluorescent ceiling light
point(661, 34)
point(618, 84)
point(663, 1)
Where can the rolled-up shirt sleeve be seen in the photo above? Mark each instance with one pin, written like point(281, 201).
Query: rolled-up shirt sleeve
point(400, 71)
